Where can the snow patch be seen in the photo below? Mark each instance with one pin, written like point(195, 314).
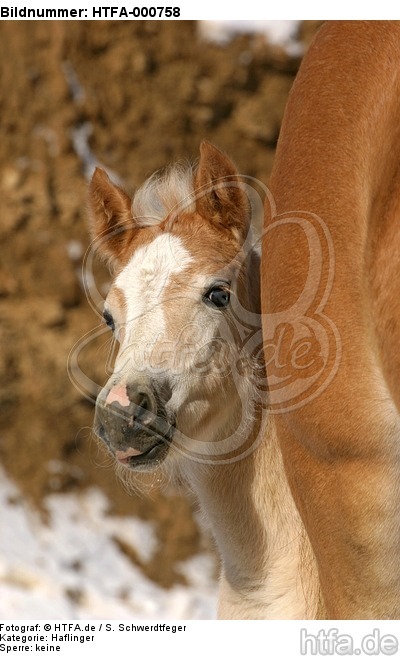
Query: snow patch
point(71, 567)
point(277, 32)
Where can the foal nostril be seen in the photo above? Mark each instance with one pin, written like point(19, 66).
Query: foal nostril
point(144, 406)
point(144, 401)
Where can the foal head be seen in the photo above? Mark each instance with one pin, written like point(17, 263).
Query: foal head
point(181, 282)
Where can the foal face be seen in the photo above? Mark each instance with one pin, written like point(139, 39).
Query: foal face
point(178, 286)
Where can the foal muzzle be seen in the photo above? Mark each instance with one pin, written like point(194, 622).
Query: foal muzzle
point(132, 421)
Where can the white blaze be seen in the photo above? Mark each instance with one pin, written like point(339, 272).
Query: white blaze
point(143, 281)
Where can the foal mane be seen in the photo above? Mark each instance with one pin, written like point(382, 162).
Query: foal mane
point(163, 192)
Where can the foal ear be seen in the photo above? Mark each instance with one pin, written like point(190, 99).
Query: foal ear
point(111, 220)
point(220, 196)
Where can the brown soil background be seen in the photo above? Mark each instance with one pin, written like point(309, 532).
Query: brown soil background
point(146, 93)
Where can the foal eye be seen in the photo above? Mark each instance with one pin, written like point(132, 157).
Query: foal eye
point(109, 321)
point(217, 297)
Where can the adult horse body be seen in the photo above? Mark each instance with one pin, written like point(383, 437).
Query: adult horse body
point(338, 157)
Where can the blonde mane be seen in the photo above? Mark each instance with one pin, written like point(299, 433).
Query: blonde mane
point(164, 191)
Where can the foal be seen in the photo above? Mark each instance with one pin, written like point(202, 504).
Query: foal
point(187, 393)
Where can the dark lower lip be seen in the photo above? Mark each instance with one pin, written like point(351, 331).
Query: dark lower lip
point(153, 457)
